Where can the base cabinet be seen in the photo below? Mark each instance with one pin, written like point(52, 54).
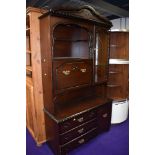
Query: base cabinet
point(69, 133)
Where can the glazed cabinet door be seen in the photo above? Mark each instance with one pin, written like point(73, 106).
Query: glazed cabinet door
point(101, 55)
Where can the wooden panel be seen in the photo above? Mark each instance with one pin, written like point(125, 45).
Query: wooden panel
point(101, 55)
point(77, 49)
point(28, 59)
point(72, 73)
point(70, 32)
point(118, 82)
point(28, 43)
point(119, 45)
point(34, 59)
point(72, 94)
point(46, 56)
point(30, 110)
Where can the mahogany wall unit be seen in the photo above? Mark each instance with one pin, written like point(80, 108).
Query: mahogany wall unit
point(74, 56)
point(34, 94)
point(118, 82)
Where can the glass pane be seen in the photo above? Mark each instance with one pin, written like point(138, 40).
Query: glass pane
point(101, 56)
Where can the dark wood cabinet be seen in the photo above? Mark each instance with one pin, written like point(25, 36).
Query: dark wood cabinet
point(119, 45)
point(118, 81)
point(74, 53)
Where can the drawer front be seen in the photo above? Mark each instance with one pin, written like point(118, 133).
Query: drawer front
point(72, 74)
point(104, 117)
point(78, 131)
point(77, 142)
point(76, 121)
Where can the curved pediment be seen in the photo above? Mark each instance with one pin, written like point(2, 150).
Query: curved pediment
point(85, 12)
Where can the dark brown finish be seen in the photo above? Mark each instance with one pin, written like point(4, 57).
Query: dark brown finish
point(76, 132)
point(101, 55)
point(85, 13)
point(77, 129)
point(119, 45)
point(74, 65)
point(118, 81)
point(80, 140)
point(71, 73)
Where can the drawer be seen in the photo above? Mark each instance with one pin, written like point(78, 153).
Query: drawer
point(78, 131)
point(77, 142)
point(76, 121)
point(104, 117)
point(69, 74)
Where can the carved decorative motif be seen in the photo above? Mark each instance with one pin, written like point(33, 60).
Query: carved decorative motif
point(85, 12)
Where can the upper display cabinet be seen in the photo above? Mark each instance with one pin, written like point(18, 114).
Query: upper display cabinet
point(74, 50)
point(71, 40)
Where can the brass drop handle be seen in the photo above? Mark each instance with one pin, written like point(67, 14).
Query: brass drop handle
point(66, 72)
point(75, 68)
point(81, 141)
point(80, 119)
point(81, 130)
point(105, 115)
point(83, 70)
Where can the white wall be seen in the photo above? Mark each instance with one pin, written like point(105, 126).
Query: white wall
point(120, 24)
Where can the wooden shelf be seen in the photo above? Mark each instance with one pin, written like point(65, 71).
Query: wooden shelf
point(69, 40)
point(71, 58)
point(118, 46)
point(69, 110)
point(114, 72)
point(101, 65)
point(113, 85)
point(29, 68)
point(115, 98)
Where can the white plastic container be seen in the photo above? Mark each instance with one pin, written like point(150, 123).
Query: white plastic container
point(119, 111)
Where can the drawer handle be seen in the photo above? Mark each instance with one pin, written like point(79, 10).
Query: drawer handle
point(83, 70)
point(75, 68)
point(80, 119)
point(105, 115)
point(81, 130)
point(66, 72)
point(81, 141)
